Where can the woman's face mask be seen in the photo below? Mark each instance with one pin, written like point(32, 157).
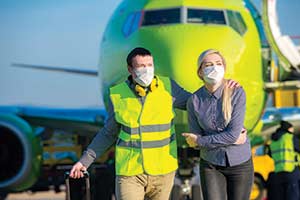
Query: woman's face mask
point(213, 74)
point(144, 75)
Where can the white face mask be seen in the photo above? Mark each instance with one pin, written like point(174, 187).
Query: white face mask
point(144, 75)
point(213, 74)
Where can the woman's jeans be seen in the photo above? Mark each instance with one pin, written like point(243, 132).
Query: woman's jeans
point(230, 182)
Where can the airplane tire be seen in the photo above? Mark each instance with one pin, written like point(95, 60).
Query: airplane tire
point(259, 185)
point(176, 193)
point(196, 192)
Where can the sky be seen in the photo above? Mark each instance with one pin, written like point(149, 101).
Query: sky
point(67, 33)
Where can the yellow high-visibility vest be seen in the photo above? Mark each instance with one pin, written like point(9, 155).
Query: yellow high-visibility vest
point(147, 140)
point(298, 159)
point(283, 153)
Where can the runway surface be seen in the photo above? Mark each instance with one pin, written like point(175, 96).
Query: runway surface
point(50, 195)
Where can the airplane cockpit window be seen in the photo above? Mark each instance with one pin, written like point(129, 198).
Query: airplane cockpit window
point(164, 16)
point(236, 22)
point(205, 16)
point(167, 16)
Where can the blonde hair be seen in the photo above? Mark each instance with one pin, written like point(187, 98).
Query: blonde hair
point(227, 92)
point(226, 102)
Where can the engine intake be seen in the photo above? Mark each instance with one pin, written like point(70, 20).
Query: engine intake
point(20, 154)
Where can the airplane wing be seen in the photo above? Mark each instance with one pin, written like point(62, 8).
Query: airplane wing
point(32, 138)
point(87, 72)
point(81, 121)
point(270, 120)
point(273, 116)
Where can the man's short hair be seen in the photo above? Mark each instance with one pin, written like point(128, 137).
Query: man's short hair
point(137, 51)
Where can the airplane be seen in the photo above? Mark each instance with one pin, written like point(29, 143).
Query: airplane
point(39, 144)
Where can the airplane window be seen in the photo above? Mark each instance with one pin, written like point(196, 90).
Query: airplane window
point(236, 22)
point(166, 16)
point(205, 16)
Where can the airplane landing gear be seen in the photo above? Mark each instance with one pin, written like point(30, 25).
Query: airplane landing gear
point(187, 180)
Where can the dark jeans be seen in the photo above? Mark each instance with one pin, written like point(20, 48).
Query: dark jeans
point(230, 182)
point(284, 185)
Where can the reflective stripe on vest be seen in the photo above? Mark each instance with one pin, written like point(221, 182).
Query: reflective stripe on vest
point(146, 142)
point(297, 159)
point(147, 128)
point(283, 153)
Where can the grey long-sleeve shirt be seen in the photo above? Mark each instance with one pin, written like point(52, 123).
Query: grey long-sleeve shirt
point(216, 139)
point(109, 133)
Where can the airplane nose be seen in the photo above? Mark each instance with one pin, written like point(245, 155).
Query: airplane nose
point(176, 49)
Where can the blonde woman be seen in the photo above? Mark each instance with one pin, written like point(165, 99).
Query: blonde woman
point(216, 117)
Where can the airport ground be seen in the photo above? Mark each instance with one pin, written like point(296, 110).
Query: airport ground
point(46, 196)
point(38, 196)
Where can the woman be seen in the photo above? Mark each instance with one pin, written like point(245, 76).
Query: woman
point(216, 116)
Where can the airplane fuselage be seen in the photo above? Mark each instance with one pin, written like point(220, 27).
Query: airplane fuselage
point(176, 32)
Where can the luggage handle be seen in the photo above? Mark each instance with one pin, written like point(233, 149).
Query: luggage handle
point(85, 173)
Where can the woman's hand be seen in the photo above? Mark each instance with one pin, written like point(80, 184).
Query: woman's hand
point(77, 170)
point(242, 137)
point(233, 84)
point(191, 139)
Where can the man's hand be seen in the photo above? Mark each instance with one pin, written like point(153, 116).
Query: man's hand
point(233, 84)
point(77, 170)
point(191, 139)
point(242, 137)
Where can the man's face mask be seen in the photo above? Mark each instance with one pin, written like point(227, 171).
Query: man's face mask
point(144, 75)
point(213, 74)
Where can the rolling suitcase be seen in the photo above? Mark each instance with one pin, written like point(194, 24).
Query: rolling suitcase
point(78, 189)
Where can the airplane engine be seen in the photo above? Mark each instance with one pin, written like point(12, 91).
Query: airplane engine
point(20, 154)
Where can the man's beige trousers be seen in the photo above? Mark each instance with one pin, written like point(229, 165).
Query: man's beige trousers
point(144, 186)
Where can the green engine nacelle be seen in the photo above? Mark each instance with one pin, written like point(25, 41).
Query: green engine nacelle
point(20, 154)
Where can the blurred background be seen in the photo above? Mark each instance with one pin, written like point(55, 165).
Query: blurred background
point(67, 33)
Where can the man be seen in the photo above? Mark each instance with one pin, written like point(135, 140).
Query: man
point(284, 149)
point(140, 121)
point(140, 115)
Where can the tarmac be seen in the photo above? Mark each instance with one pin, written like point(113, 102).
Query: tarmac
point(49, 195)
